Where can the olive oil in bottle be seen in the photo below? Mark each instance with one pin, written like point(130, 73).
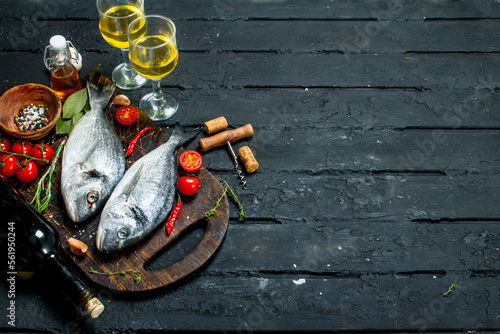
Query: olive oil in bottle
point(64, 77)
point(32, 243)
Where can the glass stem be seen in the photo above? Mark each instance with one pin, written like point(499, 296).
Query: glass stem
point(156, 89)
point(126, 61)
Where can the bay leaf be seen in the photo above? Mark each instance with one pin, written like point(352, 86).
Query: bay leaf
point(75, 120)
point(63, 126)
point(77, 117)
point(75, 103)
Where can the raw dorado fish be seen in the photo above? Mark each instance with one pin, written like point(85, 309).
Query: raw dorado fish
point(93, 161)
point(143, 198)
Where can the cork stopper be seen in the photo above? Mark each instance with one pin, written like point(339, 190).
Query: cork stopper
point(94, 307)
point(215, 125)
point(248, 160)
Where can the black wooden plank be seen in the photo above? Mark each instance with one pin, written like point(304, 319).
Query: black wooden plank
point(281, 302)
point(247, 70)
point(352, 248)
point(328, 149)
point(245, 10)
point(349, 37)
point(306, 70)
point(385, 197)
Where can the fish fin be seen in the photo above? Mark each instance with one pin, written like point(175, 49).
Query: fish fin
point(99, 96)
point(183, 135)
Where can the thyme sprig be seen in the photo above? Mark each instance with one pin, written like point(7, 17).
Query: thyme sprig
point(38, 202)
point(228, 190)
point(136, 273)
point(449, 290)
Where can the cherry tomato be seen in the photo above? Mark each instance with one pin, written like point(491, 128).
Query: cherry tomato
point(8, 165)
point(27, 172)
point(4, 144)
point(41, 151)
point(21, 147)
point(190, 161)
point(126, 115)
point(188, 185)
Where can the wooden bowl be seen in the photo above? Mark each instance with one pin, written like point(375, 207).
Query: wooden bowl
point(21, 96)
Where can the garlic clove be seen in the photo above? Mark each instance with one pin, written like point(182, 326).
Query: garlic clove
point(76, 246)
point(121, 100)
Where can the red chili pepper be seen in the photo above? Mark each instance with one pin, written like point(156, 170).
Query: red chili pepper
point(132, 143)
point(174, 214)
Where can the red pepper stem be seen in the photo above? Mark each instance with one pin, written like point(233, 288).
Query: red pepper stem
point(24, 156)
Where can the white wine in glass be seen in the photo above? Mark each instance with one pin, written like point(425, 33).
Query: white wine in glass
point(114, 19)
point(153, 54)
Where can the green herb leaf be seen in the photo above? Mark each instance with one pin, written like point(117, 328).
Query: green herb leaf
point(63, 126)
point(75, 103)
point(45, 184)
point(75, 120)
point(136, 273)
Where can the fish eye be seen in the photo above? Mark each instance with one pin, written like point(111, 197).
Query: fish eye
point(123, 233)
point(92, 197)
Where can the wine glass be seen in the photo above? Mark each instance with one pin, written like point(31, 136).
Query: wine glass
point(114, 18)
point(154, 54)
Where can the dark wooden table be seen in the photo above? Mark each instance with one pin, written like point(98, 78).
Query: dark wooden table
point(378, 134)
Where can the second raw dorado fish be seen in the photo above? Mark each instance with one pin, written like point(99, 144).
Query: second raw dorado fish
point(143, 198)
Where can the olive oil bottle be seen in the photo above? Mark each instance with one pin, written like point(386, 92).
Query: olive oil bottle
point(30, 242)
point(64, 77)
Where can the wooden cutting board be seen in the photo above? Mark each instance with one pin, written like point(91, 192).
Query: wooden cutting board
point(138, 256)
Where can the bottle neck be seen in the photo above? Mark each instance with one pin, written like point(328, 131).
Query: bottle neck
point(76, 289)
point(60, 56)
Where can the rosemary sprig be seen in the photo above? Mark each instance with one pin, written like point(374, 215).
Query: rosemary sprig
point(38, 202)
point(137, 274)
point(230, 192)
point(449, 290)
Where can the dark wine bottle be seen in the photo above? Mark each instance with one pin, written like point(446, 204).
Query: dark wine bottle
point(32, 243)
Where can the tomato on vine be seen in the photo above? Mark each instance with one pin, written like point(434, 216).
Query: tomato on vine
point(21, 147)
point(4, 144)
point(8, 165)
point(42, 151)
point(27, 172)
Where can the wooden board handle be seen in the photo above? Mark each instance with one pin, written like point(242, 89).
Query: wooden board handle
point(227, 136)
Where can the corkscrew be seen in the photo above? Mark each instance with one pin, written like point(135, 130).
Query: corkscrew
point(227, 137)
point(240, 173)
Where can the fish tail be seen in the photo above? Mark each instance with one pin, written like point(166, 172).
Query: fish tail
point(99, 96)
point(182, 136)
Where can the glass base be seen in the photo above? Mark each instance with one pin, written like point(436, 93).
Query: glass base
point(127, 79)
point(159, 107)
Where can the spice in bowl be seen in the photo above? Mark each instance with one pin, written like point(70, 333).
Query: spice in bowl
point(32, 118)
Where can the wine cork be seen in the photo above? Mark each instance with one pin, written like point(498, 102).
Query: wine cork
point(94, 307)
point(248, 160)
point(215, 125)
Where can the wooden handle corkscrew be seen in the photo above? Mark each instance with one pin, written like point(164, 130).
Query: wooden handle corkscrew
point(226, 136)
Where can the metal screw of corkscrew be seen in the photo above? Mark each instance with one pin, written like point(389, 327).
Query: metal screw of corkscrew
point(236, 166)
